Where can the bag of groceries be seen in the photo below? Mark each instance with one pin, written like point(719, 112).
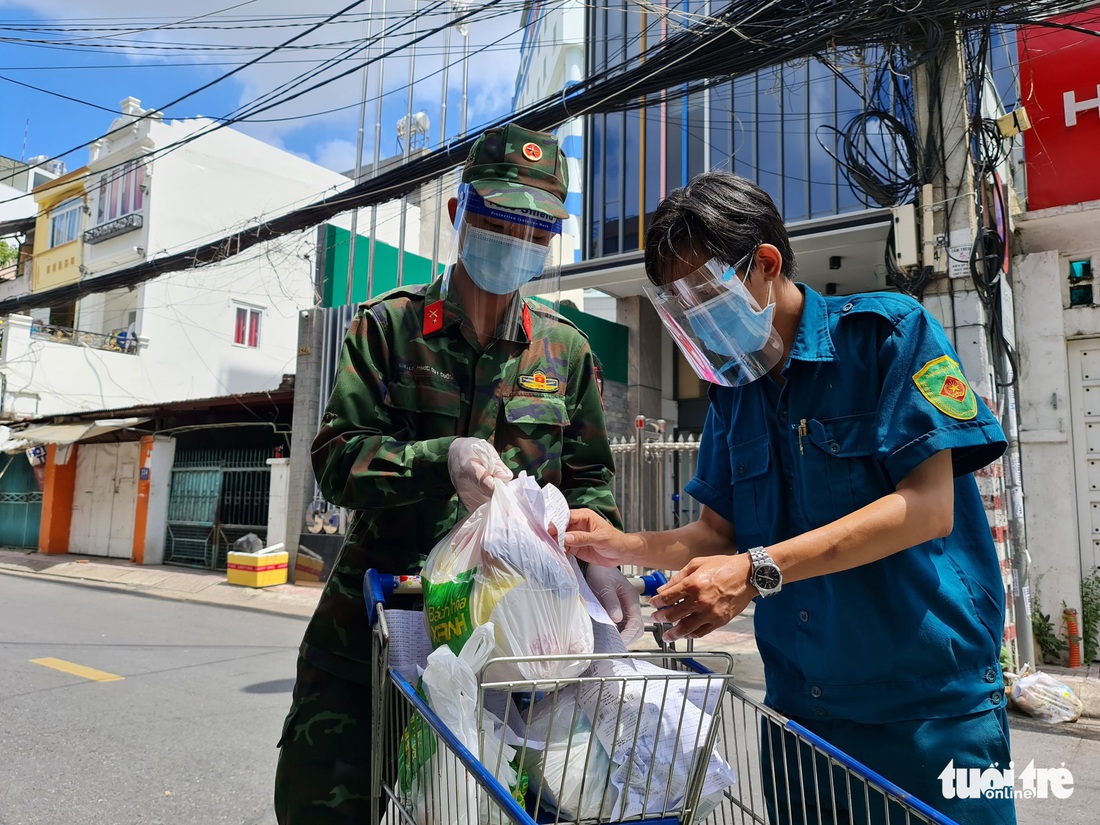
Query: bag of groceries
point(1040, 695)
point(502, 566)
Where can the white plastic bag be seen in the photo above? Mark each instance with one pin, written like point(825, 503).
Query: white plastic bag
point(526, 587)
point(1041, 695)
point(444, 791)
point(653, 724)
point(568, 767)
point(500, 565)
point(448, 578)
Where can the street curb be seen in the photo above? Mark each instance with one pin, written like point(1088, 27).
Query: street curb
point(299, 611)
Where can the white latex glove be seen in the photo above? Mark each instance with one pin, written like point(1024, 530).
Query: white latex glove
point(475, 466)
point(619, 599)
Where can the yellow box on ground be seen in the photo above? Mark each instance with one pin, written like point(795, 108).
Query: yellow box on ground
point(261, 569)
point(309, 566)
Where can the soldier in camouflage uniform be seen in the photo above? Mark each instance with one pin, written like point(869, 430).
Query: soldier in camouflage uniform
point(415, 377)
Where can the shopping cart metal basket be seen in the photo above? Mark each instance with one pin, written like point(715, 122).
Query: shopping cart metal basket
point(675, 723)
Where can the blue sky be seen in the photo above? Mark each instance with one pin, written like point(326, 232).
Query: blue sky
point(102, 51)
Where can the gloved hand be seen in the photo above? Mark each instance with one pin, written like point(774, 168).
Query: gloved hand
point(475, 467)
point(619, 599)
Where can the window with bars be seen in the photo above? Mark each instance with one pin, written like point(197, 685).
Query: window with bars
point(121, 191)
point(65, 222)
point(246, 327)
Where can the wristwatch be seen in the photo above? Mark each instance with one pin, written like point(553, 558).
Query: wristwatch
point(765, 576)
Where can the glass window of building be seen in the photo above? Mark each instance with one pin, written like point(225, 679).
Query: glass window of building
point(766, 126)
point(121, 191)
point(65, 221)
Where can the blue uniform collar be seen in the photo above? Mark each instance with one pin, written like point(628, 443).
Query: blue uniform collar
point(813, 342)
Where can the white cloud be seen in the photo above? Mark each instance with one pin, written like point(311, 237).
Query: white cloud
point(337, 155)
point(310, 123)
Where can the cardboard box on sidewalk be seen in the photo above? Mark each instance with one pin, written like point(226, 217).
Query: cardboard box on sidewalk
point(262, 569)
point(309, 566)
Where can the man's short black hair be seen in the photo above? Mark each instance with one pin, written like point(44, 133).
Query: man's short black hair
point(718, 214)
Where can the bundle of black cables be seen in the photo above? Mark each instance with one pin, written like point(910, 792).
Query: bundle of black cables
point(877, 156)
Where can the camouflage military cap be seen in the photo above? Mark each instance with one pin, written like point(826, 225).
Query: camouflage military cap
point(516, 168)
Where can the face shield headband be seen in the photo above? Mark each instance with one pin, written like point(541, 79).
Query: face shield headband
point(725, 335)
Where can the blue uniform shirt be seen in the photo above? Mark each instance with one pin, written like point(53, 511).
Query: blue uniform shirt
point(872, 389)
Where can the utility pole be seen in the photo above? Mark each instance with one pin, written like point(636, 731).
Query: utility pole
point(359, 162)
point(947, 221)
point(307, 412)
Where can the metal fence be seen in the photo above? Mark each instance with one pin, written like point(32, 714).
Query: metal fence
point(118, 340)
point(215, 497)
point(651, 471)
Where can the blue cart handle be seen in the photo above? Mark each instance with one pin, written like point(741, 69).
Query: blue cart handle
point(377, 587)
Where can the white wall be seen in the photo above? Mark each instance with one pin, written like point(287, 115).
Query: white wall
point(1045, 432)
point(186, 325)
point(201, 192)
point(1045, 322)
point(19, 204)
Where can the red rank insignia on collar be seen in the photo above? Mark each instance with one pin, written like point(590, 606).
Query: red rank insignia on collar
point(433, 318)
point(527, 321)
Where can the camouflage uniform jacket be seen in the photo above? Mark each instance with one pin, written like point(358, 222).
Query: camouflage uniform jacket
point(411, 379)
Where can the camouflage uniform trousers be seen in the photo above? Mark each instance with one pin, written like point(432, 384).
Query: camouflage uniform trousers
point(323, 777)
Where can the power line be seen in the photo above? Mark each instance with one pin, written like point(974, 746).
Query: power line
point(743, 37)
point(215, 81)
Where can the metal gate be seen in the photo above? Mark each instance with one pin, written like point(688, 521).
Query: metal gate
point(20, 502)
point(214, 498)
point(651, 472)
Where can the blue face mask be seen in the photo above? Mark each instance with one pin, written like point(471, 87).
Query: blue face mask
point(501, 264)
point(728, 326)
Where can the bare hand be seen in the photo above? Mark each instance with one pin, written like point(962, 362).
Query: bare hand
point(706, 595)
point(591, 538)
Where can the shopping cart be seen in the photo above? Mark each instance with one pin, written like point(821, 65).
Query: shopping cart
point(670, 772)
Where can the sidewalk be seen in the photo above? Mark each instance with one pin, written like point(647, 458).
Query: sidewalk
point(183, 584)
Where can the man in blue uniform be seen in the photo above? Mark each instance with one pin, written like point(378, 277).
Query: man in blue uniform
point(835, 473)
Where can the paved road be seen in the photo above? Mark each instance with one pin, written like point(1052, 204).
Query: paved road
point(186, 737)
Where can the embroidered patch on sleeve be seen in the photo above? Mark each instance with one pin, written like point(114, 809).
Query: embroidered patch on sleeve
point(942, 383)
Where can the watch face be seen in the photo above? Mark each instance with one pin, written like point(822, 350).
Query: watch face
point(766, 577)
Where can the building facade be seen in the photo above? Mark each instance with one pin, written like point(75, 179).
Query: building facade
point(1057, 309)
point(153, 188)
point(151, 411)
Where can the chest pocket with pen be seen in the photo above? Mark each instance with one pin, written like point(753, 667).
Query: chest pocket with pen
point(839, 467)
point(429, 406)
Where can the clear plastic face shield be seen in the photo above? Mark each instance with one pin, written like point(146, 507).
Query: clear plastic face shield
point(501, 256)
point(725, 335)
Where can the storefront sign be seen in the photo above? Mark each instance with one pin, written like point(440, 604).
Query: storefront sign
point(126, 223)
point(1060, 86)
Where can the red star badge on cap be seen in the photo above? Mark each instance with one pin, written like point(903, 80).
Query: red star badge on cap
point(532, 151)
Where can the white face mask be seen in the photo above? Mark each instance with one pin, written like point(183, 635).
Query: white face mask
point(727, 325)
point(498, 263)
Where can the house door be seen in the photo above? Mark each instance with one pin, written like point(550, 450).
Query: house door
point(20, 502)
point(1084, 387)
point(105, 500)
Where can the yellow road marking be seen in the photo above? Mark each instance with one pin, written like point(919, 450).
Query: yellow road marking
point(78, 670)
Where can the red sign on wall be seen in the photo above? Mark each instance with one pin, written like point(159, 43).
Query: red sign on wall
point(1060, 86)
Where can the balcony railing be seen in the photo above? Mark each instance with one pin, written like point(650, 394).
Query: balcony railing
point(118, 340)
point(15, 269)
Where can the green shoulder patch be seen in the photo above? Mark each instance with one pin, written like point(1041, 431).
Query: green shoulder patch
point(944, 386)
